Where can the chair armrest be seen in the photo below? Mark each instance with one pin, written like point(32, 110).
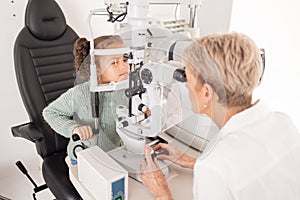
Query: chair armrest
point(28, 131)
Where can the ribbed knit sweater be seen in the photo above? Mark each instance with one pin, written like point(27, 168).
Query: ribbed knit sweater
point(73, 108)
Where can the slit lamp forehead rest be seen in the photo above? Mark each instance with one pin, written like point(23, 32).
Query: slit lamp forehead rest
point(108, 52)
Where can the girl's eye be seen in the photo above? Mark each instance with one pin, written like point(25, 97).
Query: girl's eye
point(115, 62)
point(125, 57)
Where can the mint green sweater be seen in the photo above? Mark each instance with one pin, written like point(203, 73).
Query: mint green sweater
point(73, 109)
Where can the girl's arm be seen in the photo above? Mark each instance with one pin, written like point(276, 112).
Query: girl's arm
point(58, 114)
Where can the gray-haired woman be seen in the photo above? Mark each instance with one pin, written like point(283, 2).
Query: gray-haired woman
point(256, 153)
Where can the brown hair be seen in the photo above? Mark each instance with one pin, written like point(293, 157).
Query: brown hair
point(81, 52)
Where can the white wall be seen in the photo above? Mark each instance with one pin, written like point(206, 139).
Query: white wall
point(214, 16)
point(274, 25)
point(11, 108)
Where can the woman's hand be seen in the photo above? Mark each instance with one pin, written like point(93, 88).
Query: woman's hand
point(84, 132)
point(172, 154)
point(153, 178)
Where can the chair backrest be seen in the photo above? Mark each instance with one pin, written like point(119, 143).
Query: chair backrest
point(43, 61)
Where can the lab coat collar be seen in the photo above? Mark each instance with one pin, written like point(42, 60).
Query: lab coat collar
point(237, 122)
point(257, 112)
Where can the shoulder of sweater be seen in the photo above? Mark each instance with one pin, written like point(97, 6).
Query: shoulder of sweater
point(85, 85)
point(81, 89)
point(76, 92)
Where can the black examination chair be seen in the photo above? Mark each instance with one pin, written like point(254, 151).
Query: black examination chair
point(44, 69)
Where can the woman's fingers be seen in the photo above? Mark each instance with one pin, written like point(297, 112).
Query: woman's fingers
point(163, 157)
point(143, 165)
point(148, 155)
point(160, 146)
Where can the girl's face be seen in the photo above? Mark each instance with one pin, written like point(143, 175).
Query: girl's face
point(113, 67)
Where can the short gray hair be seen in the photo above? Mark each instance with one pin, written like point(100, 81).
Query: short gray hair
point(230, 63)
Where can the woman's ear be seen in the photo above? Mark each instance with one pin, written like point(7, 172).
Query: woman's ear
point(207, 93)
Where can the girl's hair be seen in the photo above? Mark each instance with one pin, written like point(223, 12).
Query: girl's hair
point(81, 52)
point(230, 63)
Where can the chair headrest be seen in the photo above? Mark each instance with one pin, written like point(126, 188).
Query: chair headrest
point(45, 19)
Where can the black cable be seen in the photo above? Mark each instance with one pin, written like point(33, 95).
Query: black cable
point(114, 19)
point(117, 18)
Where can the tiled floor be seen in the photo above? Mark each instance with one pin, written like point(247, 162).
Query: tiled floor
point(17, 186)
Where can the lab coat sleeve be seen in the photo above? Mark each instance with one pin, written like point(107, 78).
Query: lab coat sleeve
point(58, 114)
point(209, 183)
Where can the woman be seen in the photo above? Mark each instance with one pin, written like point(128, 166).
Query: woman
point(71, 112)
point(256, 153)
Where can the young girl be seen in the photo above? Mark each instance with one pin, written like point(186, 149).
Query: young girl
point(71, 113)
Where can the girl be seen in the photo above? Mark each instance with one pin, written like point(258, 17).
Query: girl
point(71, 113)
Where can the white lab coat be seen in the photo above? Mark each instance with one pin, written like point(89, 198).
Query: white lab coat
point(255, 157)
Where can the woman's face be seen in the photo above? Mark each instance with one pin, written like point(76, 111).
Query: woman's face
point(201, 94)
point(191, 84)
point(114, 67)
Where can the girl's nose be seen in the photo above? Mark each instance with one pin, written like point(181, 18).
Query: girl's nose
point(123, 66)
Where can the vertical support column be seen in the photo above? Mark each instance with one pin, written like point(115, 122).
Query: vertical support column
point(137, 19)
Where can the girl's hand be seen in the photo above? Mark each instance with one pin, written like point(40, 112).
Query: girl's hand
point(84, 132)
